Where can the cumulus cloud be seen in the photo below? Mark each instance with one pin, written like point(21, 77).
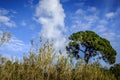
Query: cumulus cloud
point(5, 19)
point(50, 14)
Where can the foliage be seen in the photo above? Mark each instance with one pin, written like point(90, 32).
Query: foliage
point(91, 45)
point(43, 64)
point(5, 37)
point(116, 70)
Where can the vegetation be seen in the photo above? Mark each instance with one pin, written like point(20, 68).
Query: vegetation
point(116, 70)
point(43, 64)
point(91, 45)
point(5, 37)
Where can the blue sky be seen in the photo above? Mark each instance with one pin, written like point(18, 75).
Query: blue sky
point(57, 19)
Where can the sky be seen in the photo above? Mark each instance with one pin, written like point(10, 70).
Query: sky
point(56, 20)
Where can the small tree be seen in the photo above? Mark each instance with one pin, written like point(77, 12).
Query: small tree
point(91, 45)
point(116, 70)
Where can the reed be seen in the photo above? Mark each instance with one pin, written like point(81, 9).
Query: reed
point(44, 64)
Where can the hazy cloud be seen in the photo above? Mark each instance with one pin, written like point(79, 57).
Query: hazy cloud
point(84, 19)
point(3, 12)
point(23, 23)
point(15, 45)
point(110, 15)
point(5, 19)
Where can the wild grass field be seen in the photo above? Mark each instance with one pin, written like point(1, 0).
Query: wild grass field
point(44, 64)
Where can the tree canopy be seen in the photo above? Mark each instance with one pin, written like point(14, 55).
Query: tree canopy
point(91, 44)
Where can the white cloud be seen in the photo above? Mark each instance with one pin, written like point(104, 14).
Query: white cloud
point(109, 35)
point(84, 19)
point(15, 45)
point(114, 14)
point(5, 19)
point(3, 12)
point(100, 28)
point(110, 15)
point(51, 15)
point(89, 19)
point(92, 9)
point(79, 11)
point(103, 22)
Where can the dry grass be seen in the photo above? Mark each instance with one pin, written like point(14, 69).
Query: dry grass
point(48, 66)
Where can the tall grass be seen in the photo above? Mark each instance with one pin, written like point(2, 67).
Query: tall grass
point(44, 64)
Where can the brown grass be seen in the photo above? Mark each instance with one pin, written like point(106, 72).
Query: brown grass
point(48, 66)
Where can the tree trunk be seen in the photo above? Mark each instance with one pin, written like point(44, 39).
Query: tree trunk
point(86, 58)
